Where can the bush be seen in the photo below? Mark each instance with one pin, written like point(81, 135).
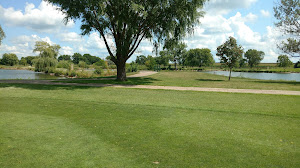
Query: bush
point(58, 72)
point(82, 64)
point(98, 71)
point(71, 73)
point(64, 64)
point(132, 67)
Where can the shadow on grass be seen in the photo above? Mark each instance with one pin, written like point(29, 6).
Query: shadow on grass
point(130, 81)
point(42, 86)
point(279, 82)
point(210, 80)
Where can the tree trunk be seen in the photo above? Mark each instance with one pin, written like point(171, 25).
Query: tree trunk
point(175, 65)
point(230, 74)
point(121, 71)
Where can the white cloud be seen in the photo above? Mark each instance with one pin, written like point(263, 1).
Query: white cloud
point(70, 37)
point(23, 46)
point(225, 6)
point(66, 50)
point(45, 18)
point(215, 30)
point(265, 13)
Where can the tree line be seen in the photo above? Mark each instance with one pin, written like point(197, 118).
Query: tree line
point(48, 58)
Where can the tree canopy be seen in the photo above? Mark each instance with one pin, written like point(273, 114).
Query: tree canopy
point(230, 53)
point(287, 12)
point(9, 59)
point(46, 61)
point(254, 57)
point(2, 34)
point(127, 23)
point(283, 61)
point(199, 57)
point(46, 50)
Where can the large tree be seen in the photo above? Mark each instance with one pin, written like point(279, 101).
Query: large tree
point(254, 57)
point(287, 12)
point(176, 51)
point(2, 34)
point(284, 61)
point(46, 61)
point(9, 59)
point(199, 57)
point(127, 23)
point(230, 53)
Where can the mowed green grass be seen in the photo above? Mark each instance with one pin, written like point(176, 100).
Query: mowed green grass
point(68, 126)
point(200, 79)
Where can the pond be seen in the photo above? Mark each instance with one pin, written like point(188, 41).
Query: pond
point(24, 74)
point(264, 76)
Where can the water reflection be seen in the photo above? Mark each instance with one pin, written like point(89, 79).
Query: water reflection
point(265, 76)
point(24, 74)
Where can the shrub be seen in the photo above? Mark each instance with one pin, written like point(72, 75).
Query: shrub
point(71, 73)
point(132, 67)
point(98, 71)
point(64, 64)
point(58, 72)
point(82, 64)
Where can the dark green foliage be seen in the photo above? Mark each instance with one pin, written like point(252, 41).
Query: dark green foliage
point(284, 61)
point(9, 59)
point(150, 63)
point(254, 57)
point(2, 34)
point(64, 57)
point(133, 67)
point(129, 22)
point(287, 12)
point(230, 53)
point(297, 65)
point(98, 71)
point(176, 52)
point(90, 59)
point(163, 58)
point(141, 60)
point(77, 57)
point(29, 59)
point(199, 57)
point(242, 62)
point(23, 61)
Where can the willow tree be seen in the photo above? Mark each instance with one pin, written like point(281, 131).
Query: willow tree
point(2, 34)
point(287, 12)
point(127, 23)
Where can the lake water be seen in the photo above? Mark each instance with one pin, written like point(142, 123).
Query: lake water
point(24, 74)
point(265, 76)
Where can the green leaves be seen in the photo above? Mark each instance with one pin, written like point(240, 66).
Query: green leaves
point(46, 50)
point(254, 57)
point(2, 34)
point(230, 53)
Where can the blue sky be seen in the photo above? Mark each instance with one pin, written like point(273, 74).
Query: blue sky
point(251, 22)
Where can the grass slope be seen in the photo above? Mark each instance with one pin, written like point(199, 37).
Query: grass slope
point(68, 126)
point(198, 79)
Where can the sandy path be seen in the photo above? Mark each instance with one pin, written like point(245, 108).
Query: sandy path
point(50, 82)
point(142, 74)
